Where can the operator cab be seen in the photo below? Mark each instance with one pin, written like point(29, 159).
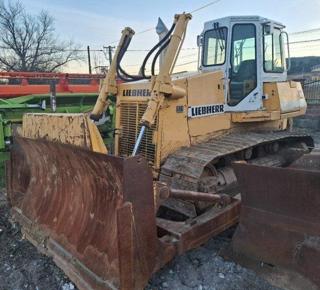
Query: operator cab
point(250, 51)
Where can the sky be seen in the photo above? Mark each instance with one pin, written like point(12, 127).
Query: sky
point(99, 23)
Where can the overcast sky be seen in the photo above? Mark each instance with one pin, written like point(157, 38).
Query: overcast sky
point(99, 22)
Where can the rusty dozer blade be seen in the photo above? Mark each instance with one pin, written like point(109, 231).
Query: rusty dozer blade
point(95, 214)
point(280, 216)
point(91, 212)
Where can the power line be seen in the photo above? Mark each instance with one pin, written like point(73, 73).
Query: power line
point(137, 33)
point(306, 31)
point(137, 50)
point(189, 48)
point(152, 28)
point(195, 61)
point(93, 50)
point(180, 57)
point(305, 47)
point(56, 49)
point(205, 6)
point(146, 50)
point(185, 63)
point(184, 48)
point(146, 30)
point(305, 41)
point(188, 55)
point(198, 9)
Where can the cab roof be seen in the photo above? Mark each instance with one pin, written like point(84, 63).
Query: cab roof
point(242, 18)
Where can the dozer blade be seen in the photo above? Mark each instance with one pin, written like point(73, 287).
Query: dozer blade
point(74, 129)
point(96, 214)
point(280, 216)
point(93, 213)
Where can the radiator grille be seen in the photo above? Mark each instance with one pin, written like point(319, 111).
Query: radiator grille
point(130, 116)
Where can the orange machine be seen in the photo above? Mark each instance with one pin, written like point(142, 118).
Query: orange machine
point(15, 84)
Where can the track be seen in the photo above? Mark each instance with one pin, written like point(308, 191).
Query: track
point(185, 168)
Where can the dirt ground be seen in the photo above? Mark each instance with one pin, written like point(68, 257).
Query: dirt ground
point(23, 268)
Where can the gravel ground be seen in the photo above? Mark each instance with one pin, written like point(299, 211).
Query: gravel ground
point(204, 269)
point(23, 268)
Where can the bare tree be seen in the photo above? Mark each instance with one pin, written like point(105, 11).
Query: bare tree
point(28, 43)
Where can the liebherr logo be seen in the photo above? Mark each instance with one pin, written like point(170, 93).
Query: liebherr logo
point(136, 93)
point(205, 110)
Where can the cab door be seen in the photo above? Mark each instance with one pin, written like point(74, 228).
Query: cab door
point(245, 86)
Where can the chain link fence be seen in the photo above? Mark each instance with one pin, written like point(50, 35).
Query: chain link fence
point(311, 89)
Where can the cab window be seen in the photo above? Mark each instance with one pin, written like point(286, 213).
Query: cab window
point(272, 60)
point(214, 50)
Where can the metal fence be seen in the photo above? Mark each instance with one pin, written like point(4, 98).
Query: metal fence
point(311, 89)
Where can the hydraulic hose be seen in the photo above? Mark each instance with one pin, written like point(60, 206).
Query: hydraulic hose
point(157, 55)
point(152, 51)
point(123, 75)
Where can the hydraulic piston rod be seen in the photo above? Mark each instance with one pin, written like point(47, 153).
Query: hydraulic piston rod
point(138, 142)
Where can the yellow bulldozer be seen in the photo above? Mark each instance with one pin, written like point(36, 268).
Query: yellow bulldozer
point(112, 220)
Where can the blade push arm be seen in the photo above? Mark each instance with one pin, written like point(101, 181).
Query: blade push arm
point(109, 84)
point(162, 85)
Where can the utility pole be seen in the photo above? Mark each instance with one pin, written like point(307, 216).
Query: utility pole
point(89, 59)
point(110, 53)
point(107, 50)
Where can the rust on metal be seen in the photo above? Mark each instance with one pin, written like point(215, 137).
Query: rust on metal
point(184, 168)
point(280, 217)
point(195, 232)
point(200, 196)
point(95, 212)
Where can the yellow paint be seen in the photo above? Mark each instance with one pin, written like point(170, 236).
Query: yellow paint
point(161, 84)
point(162, 103)
point(97, 144)
point(109, 84)
point(206, 89)
point(174, 129)
point(73, 129)
point(272, 101)
point(286, 97)
point(255, 116)
point(282, 100)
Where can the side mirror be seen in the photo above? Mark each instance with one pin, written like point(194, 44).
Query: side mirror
point(199, 40)
point(268, 29)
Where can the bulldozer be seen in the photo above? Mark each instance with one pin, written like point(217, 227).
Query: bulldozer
point(110, 221)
